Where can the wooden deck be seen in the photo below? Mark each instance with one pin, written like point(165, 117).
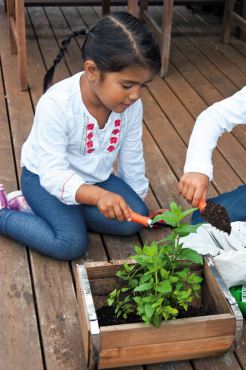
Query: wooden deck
point(39, 327)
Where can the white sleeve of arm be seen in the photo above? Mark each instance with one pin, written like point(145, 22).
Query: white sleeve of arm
point(55, 172)
point(131, 160)
point(210, 125)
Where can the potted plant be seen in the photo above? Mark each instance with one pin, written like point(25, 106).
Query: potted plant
point(160, 282)
point(156, 285)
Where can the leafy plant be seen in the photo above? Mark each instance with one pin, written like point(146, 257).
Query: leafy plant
point(160, 282)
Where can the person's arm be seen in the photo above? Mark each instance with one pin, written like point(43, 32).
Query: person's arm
point(209, 126)
point(111, 205)
point(131, 160)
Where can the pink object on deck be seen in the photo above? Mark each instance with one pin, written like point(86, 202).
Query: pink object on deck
point(17, 202)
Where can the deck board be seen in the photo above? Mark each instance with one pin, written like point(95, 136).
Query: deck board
point(38, 293)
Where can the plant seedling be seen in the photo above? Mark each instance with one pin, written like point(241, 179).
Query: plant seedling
point(160, 282)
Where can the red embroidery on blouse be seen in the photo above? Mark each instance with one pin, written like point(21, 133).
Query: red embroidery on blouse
point(63, 187)
point(114, 138)
point(115, 131)
point(110, 148)
point(88, 141)
point(117, 123)
point(90, 126)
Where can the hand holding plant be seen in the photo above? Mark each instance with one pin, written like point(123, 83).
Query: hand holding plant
point(160, 282)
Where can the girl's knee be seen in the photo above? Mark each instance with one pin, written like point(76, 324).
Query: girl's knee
point(72, 247)
point(141, 208)
point(130, 228)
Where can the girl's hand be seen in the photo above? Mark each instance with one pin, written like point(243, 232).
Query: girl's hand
point(113, 206)
point(193, 186)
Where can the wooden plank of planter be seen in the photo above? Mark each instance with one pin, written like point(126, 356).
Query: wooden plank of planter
point(131, 343)
point(110, 358)
point(88, 320)
point(203, 326)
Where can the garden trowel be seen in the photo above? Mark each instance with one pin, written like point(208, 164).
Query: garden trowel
point(215, 214)
point(147, 221)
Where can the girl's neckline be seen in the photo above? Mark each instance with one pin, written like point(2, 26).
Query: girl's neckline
point(110, 118)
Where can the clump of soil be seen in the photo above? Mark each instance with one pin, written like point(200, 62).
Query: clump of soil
point(217, 216)
point(106, 315)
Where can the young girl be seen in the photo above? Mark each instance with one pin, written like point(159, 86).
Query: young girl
point(210, 125)
point(81, 126)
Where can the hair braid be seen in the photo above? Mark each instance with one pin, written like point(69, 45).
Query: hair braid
point(48, 78)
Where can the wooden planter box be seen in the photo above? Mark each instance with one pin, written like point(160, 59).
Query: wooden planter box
point(135, 344)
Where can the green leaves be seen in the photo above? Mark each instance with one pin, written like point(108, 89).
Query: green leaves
point(191, 255)
point(164, 287)
point(168, 217)
point(143, 287)
point(174, 216)
point(160, 281)
point(185, 230)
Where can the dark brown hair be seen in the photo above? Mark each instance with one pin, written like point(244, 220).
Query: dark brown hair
point(115, 42)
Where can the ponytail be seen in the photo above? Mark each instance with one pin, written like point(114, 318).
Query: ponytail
point(48, 78)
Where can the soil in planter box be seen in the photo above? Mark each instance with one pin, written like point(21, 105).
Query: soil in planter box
point(106, 315)
point(217, 216)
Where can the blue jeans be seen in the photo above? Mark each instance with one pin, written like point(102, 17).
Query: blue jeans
point(59, 230)
point(234, 202)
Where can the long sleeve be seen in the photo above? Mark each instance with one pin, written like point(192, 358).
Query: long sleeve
point(49, 140)
point(210, 125)
point(131, 160)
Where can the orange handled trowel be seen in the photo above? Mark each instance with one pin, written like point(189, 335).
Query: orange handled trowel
point(215, 214)
point(147, 221)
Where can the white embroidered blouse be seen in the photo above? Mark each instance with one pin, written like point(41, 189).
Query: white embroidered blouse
point(66, 147)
